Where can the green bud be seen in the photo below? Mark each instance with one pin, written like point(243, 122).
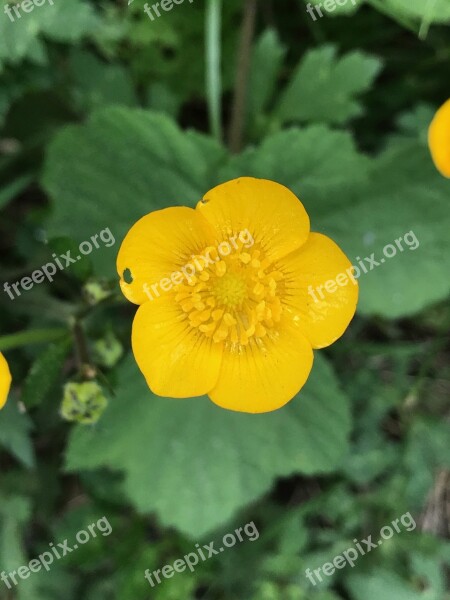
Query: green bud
point(108, 350)
point(96, 291)
point(83, 402)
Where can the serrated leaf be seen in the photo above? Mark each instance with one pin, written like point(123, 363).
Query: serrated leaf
point(194, 464)
point(318, 164)
point(97, 83)
point(62, 21)
point(15, 433)
point(267, 58)
point(324, 88)
point(44, 373)
point(18, 39)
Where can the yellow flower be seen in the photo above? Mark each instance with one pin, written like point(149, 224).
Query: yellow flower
point(226, 295)
point(5, 380)
point(439, 139)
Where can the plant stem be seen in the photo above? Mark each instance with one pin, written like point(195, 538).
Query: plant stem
point(87, 370)
point(213, 66)
point(35, 336)
point(242, 74)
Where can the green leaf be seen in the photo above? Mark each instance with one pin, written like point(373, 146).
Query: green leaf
point(426, 454)
point(381, 584)
point(70, 21)
point(323, 88)
point(417, 121)
point(18, 39)
point(267, 58)
point(15, 428)
point(62, 21)
point(430, 570)
point(313, 162)
point(404, 194)
point(14, 513)
point(98, 84)
point(42, 586)
point(44, 373)
point(194, 464)
point(437, 11)
point(120, 166)
point(162, 99)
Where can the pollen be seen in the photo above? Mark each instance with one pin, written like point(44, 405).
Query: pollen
point(234, 299)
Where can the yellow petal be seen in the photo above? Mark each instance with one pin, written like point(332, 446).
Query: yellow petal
point(5, 380)
point(158, 246)
point(439, 139)
point(176, 360)
point(321, 293)
point(265, 374)
point(272, 214)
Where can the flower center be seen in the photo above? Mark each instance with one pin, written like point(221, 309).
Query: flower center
point(230, 290)
point(234, 298)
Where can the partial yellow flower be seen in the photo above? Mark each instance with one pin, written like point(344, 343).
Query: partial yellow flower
point(242, 327)
point(439, 139)
point(5, 380)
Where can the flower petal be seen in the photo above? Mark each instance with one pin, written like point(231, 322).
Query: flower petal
point(273, 214)
point(323, 315)
point(5, 380)
point(439, 139)
point(177, 360)
point(265, 374)
point(158, 245)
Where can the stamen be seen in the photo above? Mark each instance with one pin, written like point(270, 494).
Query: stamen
point(235, 299)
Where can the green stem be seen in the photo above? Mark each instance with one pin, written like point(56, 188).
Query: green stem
point(87, 370)
point(237, 123)
point(35, 336)
point(213, 66)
